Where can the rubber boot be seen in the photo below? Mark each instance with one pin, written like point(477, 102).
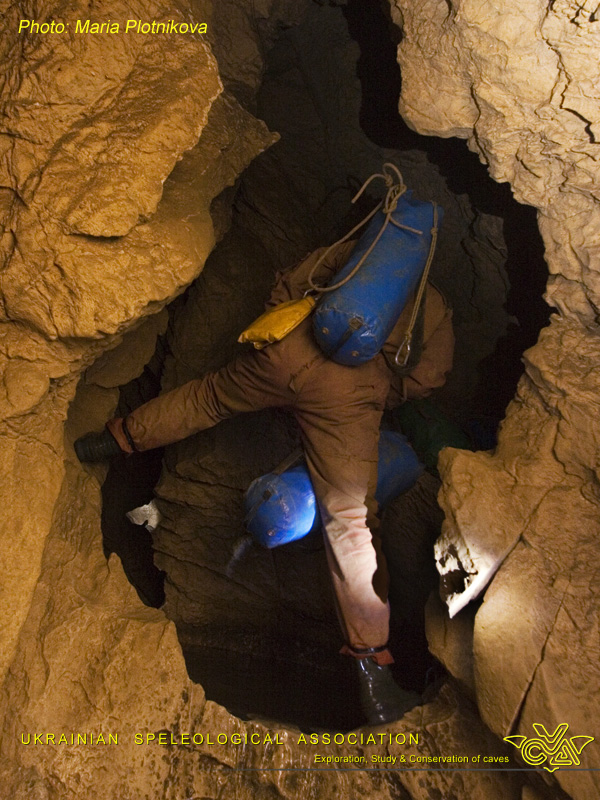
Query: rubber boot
point(97, 446)
point(381, 699)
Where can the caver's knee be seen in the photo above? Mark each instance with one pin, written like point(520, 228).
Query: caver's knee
point(349, 536)
point(342, 516)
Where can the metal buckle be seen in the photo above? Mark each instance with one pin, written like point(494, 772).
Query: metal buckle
point(404, 344)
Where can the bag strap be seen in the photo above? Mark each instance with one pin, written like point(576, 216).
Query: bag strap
point(288, 462)
point(406, 342)
point(415, 349)
point(396, 188)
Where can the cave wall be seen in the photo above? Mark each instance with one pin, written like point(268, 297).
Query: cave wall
point(520, 83)
point(107, 218)
point(82, 653)
point(109, 164)
point(108, 179)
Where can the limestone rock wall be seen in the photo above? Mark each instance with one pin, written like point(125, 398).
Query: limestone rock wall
point(106, 219)
point(94, 661)
point(95, 236)
point(520, 83)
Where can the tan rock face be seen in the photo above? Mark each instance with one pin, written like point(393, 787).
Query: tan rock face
point(94, 662)
point(102, 116)
point(520, 82)
point(80, 267)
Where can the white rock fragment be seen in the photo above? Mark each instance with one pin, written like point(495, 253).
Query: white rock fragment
point(147, 515)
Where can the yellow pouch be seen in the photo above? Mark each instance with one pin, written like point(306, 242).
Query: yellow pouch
point(276, 323)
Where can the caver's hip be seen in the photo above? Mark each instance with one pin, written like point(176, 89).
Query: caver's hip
point(308, 369)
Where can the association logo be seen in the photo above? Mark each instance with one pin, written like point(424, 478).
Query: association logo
point(551, 751)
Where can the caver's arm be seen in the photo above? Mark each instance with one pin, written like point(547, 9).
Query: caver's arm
point(436, 356)
point(435, 363)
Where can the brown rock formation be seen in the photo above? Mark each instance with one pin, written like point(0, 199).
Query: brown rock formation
point(80, 264)
point(84, 263)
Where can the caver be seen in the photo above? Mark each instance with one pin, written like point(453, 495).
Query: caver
point(338, 409)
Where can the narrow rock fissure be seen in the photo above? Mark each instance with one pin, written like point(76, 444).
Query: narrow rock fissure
point(514, 723)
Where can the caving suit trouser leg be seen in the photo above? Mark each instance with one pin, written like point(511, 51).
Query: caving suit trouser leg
point(339, 410)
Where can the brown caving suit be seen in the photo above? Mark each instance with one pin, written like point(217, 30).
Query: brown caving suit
point(338, 409)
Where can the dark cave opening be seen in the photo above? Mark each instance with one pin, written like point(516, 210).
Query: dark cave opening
point(381, 83)
point(130, 483)
point(280, 668)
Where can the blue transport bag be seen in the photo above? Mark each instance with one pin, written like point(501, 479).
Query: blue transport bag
point(282, 508)
point(352, 322)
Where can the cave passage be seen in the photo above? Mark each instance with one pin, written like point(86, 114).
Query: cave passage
point(265, 643)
